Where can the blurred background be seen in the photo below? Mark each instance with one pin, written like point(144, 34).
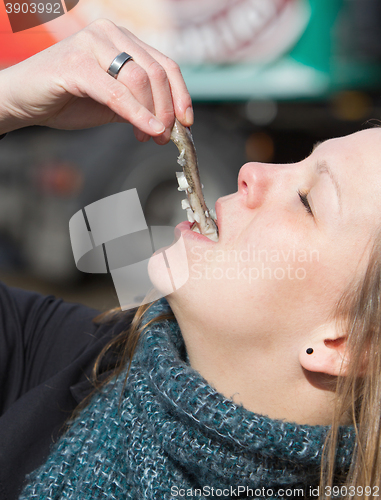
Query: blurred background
point(268, 79)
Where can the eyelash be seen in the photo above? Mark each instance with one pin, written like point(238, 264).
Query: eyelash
point(303, 199)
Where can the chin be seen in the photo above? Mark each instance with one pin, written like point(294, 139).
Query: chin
point(158, 274)
point(168, 268)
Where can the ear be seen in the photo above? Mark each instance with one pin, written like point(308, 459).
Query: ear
point(329, 352)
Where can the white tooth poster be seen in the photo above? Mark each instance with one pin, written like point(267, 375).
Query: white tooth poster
point(188, 31)
point(205, 31)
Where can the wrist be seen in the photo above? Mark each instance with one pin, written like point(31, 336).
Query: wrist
point(9, 119)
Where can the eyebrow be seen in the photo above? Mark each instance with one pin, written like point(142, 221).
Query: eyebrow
point(323, 168)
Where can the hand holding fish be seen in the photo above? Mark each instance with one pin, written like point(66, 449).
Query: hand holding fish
point(67, 86)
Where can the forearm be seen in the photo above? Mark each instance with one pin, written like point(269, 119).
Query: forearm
point(25, 94)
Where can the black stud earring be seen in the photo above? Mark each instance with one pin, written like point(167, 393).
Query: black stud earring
point(309, 350)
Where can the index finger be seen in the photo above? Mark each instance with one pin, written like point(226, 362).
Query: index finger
point(118, 98)
point(181, 98)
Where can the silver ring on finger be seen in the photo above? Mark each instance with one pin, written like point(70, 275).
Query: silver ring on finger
point(117, 64)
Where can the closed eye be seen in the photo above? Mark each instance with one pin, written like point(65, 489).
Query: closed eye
point(303, 199)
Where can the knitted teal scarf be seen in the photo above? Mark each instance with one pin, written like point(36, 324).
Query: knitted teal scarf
point(171, 435)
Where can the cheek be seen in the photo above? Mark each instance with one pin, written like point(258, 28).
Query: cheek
point(272, 289)
point(268, 255)
point(327, 274)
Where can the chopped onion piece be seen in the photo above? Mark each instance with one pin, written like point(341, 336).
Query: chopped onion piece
point(185, 204)
point(183, 183)
point(181, 160)
point(190, 215)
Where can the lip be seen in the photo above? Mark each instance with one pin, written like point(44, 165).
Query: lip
point(185, 229)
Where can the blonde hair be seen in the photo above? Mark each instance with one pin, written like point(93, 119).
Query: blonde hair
point(358, 393)
point(122, 347)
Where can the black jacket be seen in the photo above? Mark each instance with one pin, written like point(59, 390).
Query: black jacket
point(47, 351)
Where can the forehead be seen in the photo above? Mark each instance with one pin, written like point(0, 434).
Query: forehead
point(370, 138)
point(361, 149)
point(366, 143)
point(356, 162)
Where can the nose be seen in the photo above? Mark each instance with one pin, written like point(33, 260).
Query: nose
point(254, 181)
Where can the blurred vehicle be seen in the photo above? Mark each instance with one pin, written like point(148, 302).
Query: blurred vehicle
point(268, 78)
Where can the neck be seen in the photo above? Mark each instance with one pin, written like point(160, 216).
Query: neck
point(264, 378)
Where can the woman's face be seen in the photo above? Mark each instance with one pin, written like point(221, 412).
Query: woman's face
point(292, 238)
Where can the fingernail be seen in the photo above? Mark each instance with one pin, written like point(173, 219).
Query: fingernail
point(156, 126)
point(189, 117)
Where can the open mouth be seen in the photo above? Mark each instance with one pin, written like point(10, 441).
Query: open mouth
point(195, 228)
point(194, 235)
